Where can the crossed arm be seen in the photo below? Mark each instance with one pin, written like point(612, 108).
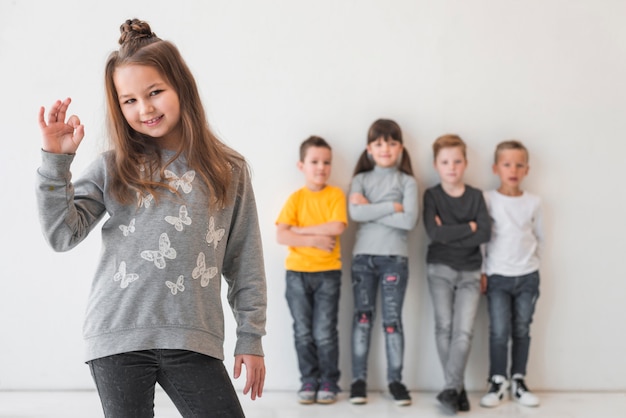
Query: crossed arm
point(322, 236)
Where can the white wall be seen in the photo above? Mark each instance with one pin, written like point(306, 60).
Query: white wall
point(549, 72)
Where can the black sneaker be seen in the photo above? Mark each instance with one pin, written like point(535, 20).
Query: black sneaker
point(463, 402)
point(358, 392)
point(449, 398)
point(400, 394)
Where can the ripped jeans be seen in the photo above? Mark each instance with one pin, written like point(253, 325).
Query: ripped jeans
point(369, 272)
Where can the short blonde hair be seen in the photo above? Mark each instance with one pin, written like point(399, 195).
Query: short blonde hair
point(449, 141)
point(510, 144)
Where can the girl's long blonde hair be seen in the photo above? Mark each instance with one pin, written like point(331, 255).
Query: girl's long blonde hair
point(211, 159)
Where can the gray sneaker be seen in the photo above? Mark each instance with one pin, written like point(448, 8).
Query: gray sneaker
point(306, 394)
point(326, 394)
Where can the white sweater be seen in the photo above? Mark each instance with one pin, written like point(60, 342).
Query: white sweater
point(517, 234)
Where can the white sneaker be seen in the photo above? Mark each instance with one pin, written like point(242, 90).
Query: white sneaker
point(520, 392)
point(497, 388)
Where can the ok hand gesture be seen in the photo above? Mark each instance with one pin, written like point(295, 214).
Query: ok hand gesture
point(59, 136)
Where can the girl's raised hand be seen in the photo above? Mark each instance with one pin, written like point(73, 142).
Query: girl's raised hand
point(59, 136)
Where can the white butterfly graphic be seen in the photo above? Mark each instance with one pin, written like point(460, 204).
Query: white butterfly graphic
point(175, 287)
point(145, 201)
point(126, 230)
point(214, 236)
point(159, 256)
point(181, 220)
point(201, 271)
point(183, 182)
point(124, 278)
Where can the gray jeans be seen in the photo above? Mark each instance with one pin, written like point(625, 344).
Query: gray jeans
point(455, 296)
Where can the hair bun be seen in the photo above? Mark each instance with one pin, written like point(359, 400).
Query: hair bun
point(133, 30)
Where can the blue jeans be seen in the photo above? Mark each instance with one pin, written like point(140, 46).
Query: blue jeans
point(197, 384)
point(369, 272)
point(313, 300)
point(511, 306)
point(455, 296)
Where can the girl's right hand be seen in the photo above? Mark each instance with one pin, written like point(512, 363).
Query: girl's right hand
point(59, 136)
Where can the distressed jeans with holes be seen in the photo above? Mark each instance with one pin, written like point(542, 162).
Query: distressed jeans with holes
point(390, 273)
point(455, 296)
point(511, 302)
point(313, 300)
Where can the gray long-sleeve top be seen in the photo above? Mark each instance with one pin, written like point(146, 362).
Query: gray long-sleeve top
point(382, 230)
point(453, 243)
point(158, 281)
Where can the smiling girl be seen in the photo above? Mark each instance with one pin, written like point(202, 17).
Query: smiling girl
point(179, 211)
point(383, 200)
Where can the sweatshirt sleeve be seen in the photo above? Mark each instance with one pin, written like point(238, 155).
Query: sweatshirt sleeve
point(443, 234)
point(244, 269)
point(483, 231)
point(408, 217)
point(370, 211)
point(68, 212)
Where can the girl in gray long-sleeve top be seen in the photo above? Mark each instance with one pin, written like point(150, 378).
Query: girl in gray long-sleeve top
point(457, 222)
point(383, 200)
point(180, 215)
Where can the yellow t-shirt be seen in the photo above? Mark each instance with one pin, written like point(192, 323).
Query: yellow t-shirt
point(307, 208)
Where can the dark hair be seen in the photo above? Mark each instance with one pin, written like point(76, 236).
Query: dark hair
point(386, 129)
point(510, 144)
point(449, 141)
point(205, 153)
point(312, 141)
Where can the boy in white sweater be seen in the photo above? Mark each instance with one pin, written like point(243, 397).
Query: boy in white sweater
point(511, 274)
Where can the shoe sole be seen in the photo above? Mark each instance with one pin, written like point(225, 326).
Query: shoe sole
point(358, 400)
point(530, 405)
point(306, 402)
point(326, 401)
point(404, 402)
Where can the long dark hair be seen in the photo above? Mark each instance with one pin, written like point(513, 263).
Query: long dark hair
point(386, 129)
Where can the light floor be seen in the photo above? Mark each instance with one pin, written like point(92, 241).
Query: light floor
point(283, 405)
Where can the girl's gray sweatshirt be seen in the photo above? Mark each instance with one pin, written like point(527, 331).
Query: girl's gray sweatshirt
point(382, 230)
point(157, 285)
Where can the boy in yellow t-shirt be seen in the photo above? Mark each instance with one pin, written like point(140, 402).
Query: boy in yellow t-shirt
point(310, 224)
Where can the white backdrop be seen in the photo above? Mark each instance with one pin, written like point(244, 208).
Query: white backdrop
point(549, 72)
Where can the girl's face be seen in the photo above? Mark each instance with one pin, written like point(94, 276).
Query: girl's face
point(149, 104)
point(450, 165)
point(385, 153)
